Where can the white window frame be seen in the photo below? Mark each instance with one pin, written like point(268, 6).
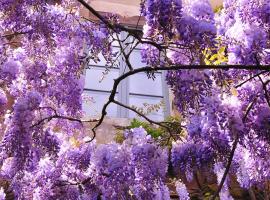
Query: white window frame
point(124, 87)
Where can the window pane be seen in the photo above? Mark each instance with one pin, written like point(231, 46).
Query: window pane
point(140, 84)
point(93, 79)
point(94, 107)
point(136, 59)
point(102, 61)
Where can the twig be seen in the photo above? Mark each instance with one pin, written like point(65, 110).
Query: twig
point(264, 84)
point(232, 152)
point(138, 35)
point(227, 168)
point(14, 34)
point(161, 124)
point(126, 56)
point(164, 68)
point(56, 116)
point(249, 79)
point(116, 27)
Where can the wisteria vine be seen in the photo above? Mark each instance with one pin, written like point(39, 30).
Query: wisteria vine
point(218, 70)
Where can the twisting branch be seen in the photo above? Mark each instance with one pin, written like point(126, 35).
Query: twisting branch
point(116, 27)
point(237, 136)
point(126, 56)
point(137, 112)
point(57, 116)
point(227, 169)
point(164, 68)
point(161, 124)
point(137, 34)
point(230, 158)
point(249, 79)
point(13, 34)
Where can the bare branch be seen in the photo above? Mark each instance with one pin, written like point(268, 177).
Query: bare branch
point(165, 68)
point(230, 158)
point(249, 79)
point(264, 84)
point(227, 168)
point(56, 116)
point(126, 56)
point(10, 35)
point(161, 124)
point(116, 27)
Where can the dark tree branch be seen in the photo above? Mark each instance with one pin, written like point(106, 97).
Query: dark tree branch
point(116, 27)
point(153, 69)
point(126, 56)
point(56, 116)
point(264, 85)
point(138, 35)
point(251, 78)
point(226, 169)
point(230, 158)
point(66, 183)
point(175, 67)
point(137, 112)
point(161, 124)
point(11, 35)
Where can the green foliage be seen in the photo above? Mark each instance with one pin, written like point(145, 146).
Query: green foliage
point(119, 137)
point(171, 126)
point(216, 58)
point(174, 123)
point(147, 108)
point(218, 9)
point(153, 131)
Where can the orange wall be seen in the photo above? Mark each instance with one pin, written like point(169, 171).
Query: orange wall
point(129, 10)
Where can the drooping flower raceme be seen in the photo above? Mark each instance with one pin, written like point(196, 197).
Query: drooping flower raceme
point(137, 167)
point(182, 191)
point(42, 59)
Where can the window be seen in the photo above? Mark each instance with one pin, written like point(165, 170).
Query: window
point(137, 90)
